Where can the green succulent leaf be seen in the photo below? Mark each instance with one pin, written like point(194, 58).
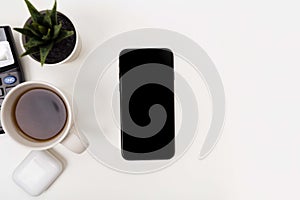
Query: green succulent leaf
point(35, 14)
point(25, 32)
point(43, 30)
point(56, 31)
point(47, 19)
point(48, 36)
point(30, 51)
point(53, 14)
point(32, 42)
point(44, 51)
point(31, 28)
point(63, 35)
point(35, 26)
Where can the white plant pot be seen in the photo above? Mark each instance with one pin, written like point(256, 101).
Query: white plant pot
point(73, 55)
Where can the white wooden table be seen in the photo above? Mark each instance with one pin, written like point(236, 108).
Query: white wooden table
point(255, 46)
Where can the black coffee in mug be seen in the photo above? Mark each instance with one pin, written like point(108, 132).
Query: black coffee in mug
point(40, 114)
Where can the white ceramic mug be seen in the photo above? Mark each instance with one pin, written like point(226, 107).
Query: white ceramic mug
point(67, 136)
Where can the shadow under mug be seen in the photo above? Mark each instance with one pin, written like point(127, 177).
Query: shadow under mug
point(67, 136)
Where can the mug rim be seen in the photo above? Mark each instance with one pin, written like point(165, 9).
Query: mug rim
point(52, 141)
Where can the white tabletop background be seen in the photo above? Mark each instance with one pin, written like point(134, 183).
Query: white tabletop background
point(256, 48)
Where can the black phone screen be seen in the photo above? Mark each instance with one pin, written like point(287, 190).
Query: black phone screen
point(147, 104)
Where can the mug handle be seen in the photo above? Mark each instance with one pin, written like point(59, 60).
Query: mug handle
point(73, 142)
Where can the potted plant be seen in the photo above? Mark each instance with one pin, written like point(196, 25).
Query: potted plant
point(48, 36)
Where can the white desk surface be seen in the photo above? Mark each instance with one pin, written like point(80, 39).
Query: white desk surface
point(255, 46)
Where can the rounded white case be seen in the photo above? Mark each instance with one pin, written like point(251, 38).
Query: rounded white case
point(37, 172)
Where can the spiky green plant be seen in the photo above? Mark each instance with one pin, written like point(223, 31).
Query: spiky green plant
point(43, 32)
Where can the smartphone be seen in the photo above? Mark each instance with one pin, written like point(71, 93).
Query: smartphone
point(11, 73)
point(135, 67)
